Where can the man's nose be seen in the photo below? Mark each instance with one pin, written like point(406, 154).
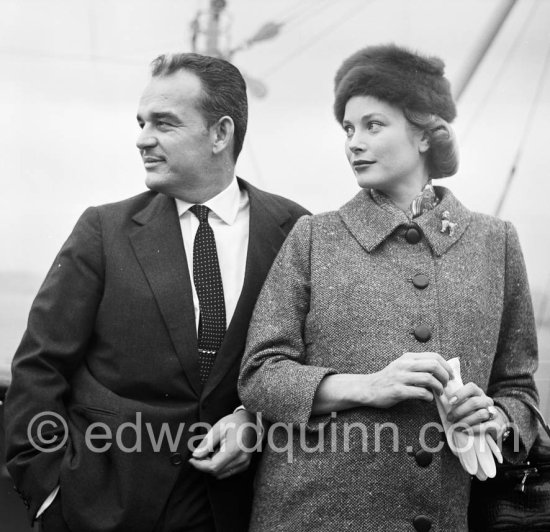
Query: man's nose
point(145, 139)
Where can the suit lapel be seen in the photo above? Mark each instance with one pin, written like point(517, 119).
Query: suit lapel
point(266, 236)
point(158, 246)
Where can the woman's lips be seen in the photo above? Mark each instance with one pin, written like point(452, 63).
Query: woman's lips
point(361, 165)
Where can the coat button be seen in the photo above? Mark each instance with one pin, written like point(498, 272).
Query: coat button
point(413, 235)
point(176, 459)
point(422, 523)
point(422, 333)
point(420, 281)
point(423, 458)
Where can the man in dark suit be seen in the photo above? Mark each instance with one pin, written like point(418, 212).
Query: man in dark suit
point(134, 340)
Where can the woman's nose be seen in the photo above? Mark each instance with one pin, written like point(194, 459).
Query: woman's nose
point(356, 143)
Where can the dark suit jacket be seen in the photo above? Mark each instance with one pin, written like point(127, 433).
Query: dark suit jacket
point(111, 338)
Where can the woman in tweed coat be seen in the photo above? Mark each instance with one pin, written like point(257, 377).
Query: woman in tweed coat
point(361, 311)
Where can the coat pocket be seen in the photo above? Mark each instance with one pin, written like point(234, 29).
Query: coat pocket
point(94, 410)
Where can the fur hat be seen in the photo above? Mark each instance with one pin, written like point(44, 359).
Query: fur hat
point(395, 75)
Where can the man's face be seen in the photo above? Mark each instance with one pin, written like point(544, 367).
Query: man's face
point(175, 143)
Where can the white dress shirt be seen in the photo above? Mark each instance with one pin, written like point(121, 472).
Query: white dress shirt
point(229, 219)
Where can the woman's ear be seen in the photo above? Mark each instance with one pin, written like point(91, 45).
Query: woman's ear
point(222, 134)
point(424, 142)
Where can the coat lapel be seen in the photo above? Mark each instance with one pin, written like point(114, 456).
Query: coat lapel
point(266, 236)
point(158, 245)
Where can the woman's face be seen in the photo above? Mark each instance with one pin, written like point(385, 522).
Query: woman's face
point(384, 150)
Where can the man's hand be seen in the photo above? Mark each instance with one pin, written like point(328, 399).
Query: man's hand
point(227, 448)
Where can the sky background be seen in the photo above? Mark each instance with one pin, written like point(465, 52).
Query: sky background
point(73, 71)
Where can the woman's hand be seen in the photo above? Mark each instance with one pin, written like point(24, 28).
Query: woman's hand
point(471, 407)
point(411, 376)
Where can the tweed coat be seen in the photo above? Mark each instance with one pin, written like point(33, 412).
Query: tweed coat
point(340, 299)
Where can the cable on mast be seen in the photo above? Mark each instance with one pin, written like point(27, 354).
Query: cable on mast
point(526, 130)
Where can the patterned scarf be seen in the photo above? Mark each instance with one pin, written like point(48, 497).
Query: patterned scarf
point(425, 201)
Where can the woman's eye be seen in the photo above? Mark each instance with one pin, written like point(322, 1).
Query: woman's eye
point(374, 127)
point(349, 131)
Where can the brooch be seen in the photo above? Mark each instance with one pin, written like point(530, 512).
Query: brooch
point(446, 224)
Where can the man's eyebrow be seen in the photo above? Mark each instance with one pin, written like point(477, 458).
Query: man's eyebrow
point(158, 115)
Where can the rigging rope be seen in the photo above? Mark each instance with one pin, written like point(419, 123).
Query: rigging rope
point(323, 33)
point(496, 80)
point(525, 133)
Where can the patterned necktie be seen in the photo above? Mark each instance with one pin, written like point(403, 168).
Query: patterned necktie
point(208, 283)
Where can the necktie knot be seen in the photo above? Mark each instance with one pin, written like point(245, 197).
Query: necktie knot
point(201, 212)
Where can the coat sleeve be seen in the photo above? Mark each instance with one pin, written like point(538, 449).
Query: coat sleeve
point(511, 383)
point(275, 379)
point(59, 328)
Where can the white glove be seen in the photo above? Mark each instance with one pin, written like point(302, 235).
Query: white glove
point(476, 452)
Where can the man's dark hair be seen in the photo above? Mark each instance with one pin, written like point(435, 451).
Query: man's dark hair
point(224, 89)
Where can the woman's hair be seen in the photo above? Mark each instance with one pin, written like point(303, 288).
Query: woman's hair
point(442, 155)
point(395, 75)
point(411, 81)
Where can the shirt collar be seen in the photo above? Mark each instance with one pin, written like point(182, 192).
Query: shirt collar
point(225, 205)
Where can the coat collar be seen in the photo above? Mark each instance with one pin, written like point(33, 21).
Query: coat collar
point(372, 221)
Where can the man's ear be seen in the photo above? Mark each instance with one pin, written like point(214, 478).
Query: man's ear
point(222, 134)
